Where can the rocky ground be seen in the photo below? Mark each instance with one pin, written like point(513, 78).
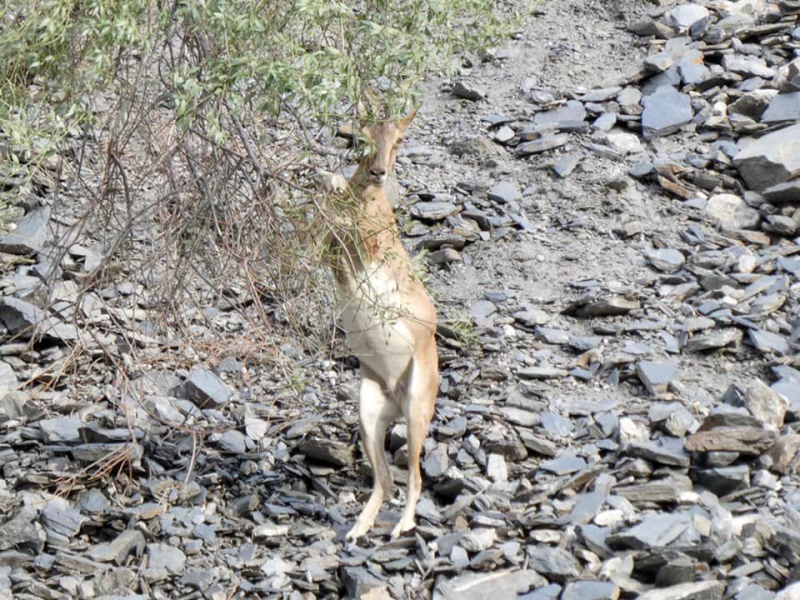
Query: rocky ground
point(610, 205)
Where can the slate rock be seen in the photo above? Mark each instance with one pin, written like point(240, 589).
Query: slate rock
point(783, 107)
point(731, 433)
point(24, 319)
point(666, 260)
point(61, 521)
point(764, 403)
point(667, 451)
point(563, 465)
point(590, 590)
point(61, 429)
point(358, 582)
point(768, 342)
point(665, 111)
point(118, 550)
point(21, 532)
point(497, 584)
point(165, 557)
point(469, 91)
point(30, 235)
point(206, 389)
point(732, 212)
point(232, 442)
point(433, 211)
point(554, 563)
point(714, 340)
point(330, 451)
point(771, 159)
point(654, 531)
point(504, 192)
point(570, 111)
point(656, 376)
point(723, 480)
point(546, 142)
point(701, 590)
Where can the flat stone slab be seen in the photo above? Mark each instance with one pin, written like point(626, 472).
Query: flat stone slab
point(783, 107)
point(700, 590)
point(665, 111)
point(771, 159)
point(30, 235)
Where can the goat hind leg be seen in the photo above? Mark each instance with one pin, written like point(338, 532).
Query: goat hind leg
point(418, 407)
point(375, 412)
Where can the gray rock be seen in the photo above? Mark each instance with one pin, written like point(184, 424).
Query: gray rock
point(768, 342)
point(436, 462)
point(681, 18)
point(656, 376)
point(665, 111)
point(605, 122)
point(565, 165)
point(546, 142)
point(564, 465)
point(667, 451)
point(205, 389)
point(783, 107)
point(358, 582)
point(771, 159)
point(232, 442)
point(714, 340)
point(730, 432)
point(623, 143)
point(586, 507)
point(165, 557)
point(479, 539)
point(118, 550)
point(554, 563)
point(556, 424)
point(497, 584)
point(469, 91)
point(723, 480)
point(21, 532)
point(732, 212)
point(749, 66)
point(666, 260)
point(519, 416)
point(780, 224)
point(433, 211)
point(504, 192)
point(24, 319)
point(61, 521)
point(659, 62)
point(541, 373)
point(601, 95)
point(590, 590)
point(655, 531)
point(330, 451)
point(752, 104)
point(60, 429)
point(570, 111)
point(764, 403)
point(789, 191)
point(30, 235)
point(790, 592)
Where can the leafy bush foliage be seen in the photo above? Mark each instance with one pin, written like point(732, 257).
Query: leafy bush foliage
point(205, 118)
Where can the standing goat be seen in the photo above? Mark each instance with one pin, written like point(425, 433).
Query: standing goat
point(389, 320)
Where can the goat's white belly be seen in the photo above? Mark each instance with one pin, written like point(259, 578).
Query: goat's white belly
point(372, 316)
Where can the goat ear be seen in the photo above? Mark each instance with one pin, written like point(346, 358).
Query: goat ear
point(405, 122)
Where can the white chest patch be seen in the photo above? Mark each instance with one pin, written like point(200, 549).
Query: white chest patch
point(372, 311)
